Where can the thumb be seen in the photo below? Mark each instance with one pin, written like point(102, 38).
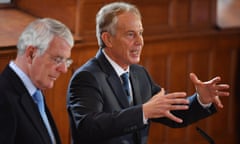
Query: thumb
point(162, 92)
point(194, 78)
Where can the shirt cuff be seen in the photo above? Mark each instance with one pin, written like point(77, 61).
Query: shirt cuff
point(145, 121)
point(203, 105)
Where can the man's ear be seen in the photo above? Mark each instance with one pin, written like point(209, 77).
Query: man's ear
point(106, 37)
point(30, 53)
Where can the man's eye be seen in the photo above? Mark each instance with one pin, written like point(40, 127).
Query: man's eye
point(58, 60)
point(130, 35)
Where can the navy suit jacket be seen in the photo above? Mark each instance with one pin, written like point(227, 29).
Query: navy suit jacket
point(20, 121)
point(99, 111)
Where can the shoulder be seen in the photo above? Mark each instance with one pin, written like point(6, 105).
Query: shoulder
point(91, 66)
point(90, 71)
point(138, 69)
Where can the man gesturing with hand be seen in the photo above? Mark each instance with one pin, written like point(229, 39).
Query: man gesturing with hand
point(112, 100)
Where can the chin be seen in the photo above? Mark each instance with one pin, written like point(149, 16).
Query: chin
point(136, 61)
point(49, 86)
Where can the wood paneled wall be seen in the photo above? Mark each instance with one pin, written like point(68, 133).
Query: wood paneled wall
point(207, 56)
point(159, 16)
point(180, 37)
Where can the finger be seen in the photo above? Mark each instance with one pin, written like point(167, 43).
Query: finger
point(176, 95)
point(222, 93)
point(215, 80)
point(162, 92)
point(218, 102)
point(222, 86)
point(178, 107)
point(177, 101)
point(194, 78)
point(174, 118)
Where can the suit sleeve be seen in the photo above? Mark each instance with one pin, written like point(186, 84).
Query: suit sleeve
point(7, 121)
point(195, 113)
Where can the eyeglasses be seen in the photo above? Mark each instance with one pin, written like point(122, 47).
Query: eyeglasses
point(59, 60)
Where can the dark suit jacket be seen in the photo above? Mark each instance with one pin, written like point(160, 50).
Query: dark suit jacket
point(99, 111)
point(20, 121)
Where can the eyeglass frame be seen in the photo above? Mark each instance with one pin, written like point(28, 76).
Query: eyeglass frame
point(58, 60)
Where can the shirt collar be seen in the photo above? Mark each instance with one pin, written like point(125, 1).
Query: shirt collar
point(25, 79)
point(119, 70)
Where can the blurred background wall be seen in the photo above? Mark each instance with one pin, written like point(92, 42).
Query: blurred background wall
point(181, 36)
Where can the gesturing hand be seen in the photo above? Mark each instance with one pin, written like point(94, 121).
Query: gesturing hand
point(160, 105)
point(211, 90)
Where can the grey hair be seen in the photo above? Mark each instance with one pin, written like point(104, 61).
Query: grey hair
point(40, 33)
point(106, 18)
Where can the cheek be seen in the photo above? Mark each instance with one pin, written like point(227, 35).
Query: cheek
point(122, 47)
point(38, 73)
point(125, 45)
point(40, 70)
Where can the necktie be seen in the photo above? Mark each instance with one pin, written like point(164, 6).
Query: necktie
point(126, 86)
point(38, 99)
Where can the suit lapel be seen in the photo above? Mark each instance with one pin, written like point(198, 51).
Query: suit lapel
point(137, 99)
point(112, 79)
point(35, 117)
point(27, 103)
point(53, 126)
point(116, 87)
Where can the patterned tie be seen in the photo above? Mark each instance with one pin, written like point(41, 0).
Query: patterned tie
point(38, 99)
point(126, 86)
